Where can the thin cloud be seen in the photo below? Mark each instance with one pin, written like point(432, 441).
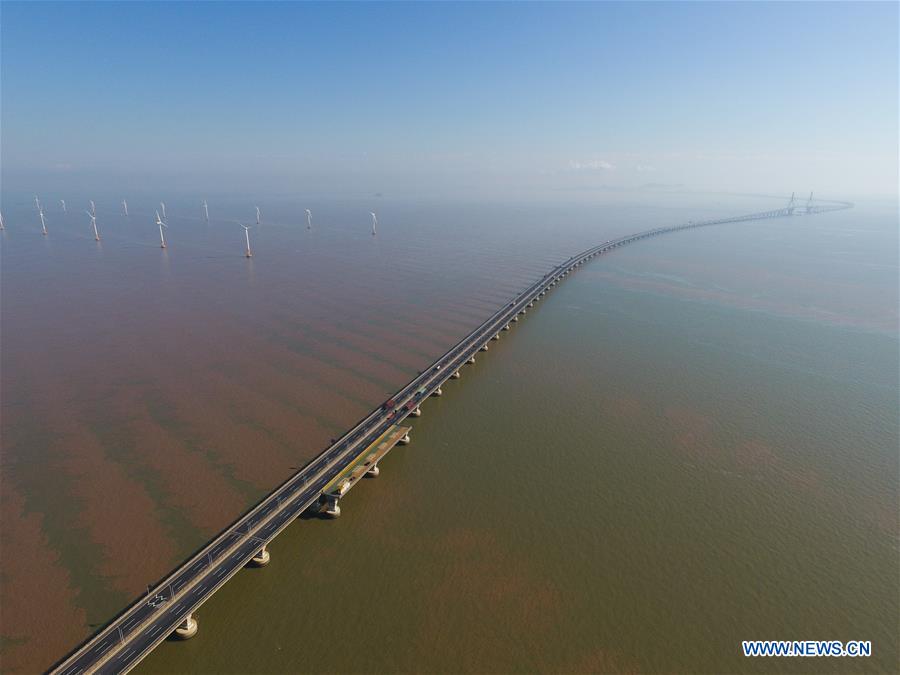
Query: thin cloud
point(591, 165)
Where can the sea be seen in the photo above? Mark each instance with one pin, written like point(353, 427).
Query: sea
point(690, 442)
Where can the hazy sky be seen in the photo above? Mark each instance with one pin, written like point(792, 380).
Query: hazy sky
point(451, 99)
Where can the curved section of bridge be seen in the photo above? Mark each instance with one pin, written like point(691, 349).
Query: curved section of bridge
point(167, 610)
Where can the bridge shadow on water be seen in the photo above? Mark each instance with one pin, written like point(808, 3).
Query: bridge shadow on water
point(314, 512)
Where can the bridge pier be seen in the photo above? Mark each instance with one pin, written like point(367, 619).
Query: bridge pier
point(437, 392)
point(406, 440)
point(516, 318)
point(496, 336)
point(188, 628)
point(506, 327)
point(455, 376)
point(471, 359)
point(332, 510)
point(261, 559)
point(373, 471)
point(484, 347)
point(531, 304)
point(416, 413)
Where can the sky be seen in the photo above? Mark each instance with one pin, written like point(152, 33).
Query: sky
point(451, 99)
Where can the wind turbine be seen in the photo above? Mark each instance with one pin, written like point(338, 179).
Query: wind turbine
point(125, 206)
point(43, 222)
point(1, 222)
point(93, 208)
point(37, 203)
point(162, 237)
point(308, 219)
point(809, 203)
point(162, 205)
point(374, 222)
point(206, 210)
point(94, 225)
point(257, 215)
point(63, 202)
point(247, 253)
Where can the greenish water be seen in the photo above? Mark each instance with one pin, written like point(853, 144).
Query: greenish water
point(635, 478)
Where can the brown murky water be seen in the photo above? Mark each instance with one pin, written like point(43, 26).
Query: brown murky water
point(149, 396)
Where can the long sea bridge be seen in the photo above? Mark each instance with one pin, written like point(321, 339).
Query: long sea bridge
point(168, 608)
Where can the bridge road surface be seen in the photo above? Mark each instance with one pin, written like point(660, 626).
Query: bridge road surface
point(131, 635)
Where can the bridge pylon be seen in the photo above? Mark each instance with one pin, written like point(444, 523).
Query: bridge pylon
point(261, 559)
point(332, 509)
point(188, 628)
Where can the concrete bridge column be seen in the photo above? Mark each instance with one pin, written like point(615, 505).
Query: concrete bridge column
point(416, 413)
point(496, 336)
point(455, 376)
point(437, 392)
point(484, 347)
point(506, 327)
point(261, 559)
point(188, 628)
point(406, 440)
point(373, 471)
point(516, 318)
point(471, 359)
point(332, 510)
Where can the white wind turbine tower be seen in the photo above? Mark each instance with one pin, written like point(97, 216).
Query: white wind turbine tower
point(1, 222)
point(93, 208)
point(162, 205)
point(308, 219)
point(206, 210)
point(63, 202)
point(257, 215)
point(43, 222)
point(162, 237)
point(247, 253)
point(125, 206)
point(37, 203)
point(374, 222)
point(94, 225)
